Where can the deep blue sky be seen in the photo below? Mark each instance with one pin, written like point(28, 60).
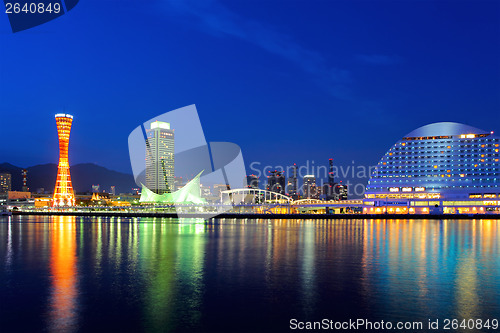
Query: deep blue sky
point(288, 81)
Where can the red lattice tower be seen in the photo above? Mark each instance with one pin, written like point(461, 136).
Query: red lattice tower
point(63, 192)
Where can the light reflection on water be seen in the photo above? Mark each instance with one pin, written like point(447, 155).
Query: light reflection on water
point(63, 274)
point(131, 274)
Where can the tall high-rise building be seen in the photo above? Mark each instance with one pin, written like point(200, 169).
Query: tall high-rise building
point(292, 187)
point(179, 182)
point(63, 192)
point(329, 188)
point(276, 182)
point(311, 191)
point(219, 188)
point(5, 182)
point(341, 191)
point(25, 180)
point(160, 158)
point(252, 181)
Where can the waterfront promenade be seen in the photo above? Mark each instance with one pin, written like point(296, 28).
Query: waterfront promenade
point(263, 216)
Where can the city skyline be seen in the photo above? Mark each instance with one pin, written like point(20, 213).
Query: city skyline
point(355, 71)
point(159, 171)
point(253, 166)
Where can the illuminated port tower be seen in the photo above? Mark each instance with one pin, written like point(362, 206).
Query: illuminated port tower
point(63, 192)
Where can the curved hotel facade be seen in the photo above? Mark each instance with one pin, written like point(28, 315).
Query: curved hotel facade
point(443, 168)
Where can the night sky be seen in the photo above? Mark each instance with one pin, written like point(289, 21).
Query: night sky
point(288, 81)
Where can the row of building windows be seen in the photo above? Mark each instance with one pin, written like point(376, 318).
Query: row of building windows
point(464, 147)
point(473, 165)
point(453, 141)
point(409, 169)
point(442, 178)
point(485, 152)
point(384, 188)
point(457, 137)
point(462, 162)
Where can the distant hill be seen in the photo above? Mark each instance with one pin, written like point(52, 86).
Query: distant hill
point(83, 177)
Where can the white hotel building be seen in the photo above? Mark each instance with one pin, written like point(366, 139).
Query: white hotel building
point(438, 168)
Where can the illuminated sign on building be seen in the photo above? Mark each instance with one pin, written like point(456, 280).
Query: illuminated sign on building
point(406, 189)
point(419, 189)
point(396, 203)
point(393, 189)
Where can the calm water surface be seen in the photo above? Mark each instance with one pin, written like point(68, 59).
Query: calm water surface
point(148, 275)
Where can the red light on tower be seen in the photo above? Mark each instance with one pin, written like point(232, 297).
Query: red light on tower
point(63, 192)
